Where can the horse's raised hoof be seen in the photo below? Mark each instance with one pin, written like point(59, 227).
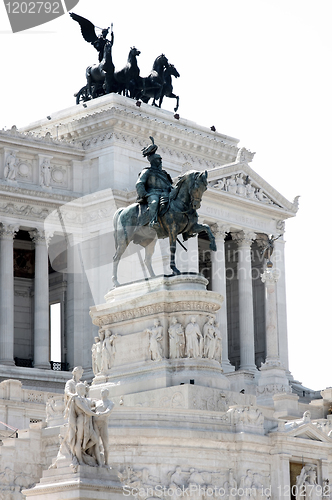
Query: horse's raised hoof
point(213, 246)
point(115, 282)
point(175, 270)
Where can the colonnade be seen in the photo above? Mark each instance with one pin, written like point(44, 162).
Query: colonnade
point(276, 331)
point(41, 297)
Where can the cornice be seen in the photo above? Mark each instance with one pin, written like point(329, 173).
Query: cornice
point(94, 125)
point(22, 195)
point(46, 141)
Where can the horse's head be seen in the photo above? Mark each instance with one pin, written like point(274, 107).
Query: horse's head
point(199, 185)
point(160, 63)
point(173, 71)
point(133, 52)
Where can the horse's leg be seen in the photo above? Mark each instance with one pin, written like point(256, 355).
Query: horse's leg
point(120, 249)
point(149, 249)
point(172, 246)
point(161, 100)
point(177, 103)
point(199, 228)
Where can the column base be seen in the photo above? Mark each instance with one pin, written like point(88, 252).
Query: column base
point(44, 366)
point(249, 368)
point(7, 362)
point(227, 367)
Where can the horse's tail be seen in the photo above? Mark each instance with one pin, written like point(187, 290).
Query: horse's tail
point(115, 225)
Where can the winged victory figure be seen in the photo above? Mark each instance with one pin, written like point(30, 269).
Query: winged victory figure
point(88, 30)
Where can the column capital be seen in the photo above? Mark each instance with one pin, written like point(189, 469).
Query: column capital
point(270, 277)
point(8, 230)
point(38, 236)
point(244, 238)
point(220, 230)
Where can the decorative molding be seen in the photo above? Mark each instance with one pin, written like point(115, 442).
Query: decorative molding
point(140, 312)
point(271, 389)
point(38, 193)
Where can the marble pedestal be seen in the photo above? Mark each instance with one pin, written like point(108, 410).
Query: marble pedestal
point(273, 380)
point(130, 310)
point(86, 483)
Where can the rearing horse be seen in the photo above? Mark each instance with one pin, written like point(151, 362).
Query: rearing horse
point(151, 86)
point(98, 73)
point(129, 75)
point(167, 89)
point(180, 218)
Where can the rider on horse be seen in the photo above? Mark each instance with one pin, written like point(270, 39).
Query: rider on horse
point(154, 184)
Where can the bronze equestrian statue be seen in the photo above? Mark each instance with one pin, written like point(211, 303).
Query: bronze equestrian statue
point(161, 211)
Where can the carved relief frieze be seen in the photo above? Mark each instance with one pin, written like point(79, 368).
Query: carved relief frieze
point(273, 389)
point(12, 483)
point(246, 415)
point(241, 185)
point(183, 482)
point(173, 307)
point(24, 210)
point(216, 402)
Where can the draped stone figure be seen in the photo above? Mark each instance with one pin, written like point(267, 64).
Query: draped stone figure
point(103, 409)
point(10, 167)
point(176, 339)
point(209, 333)
point(156, 335)
point(193, 339)
point(108, 350)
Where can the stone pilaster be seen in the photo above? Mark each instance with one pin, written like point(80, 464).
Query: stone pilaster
point(278, 259)
point(270, 278)
point(273, 378)
point(219, 285)
point(41, 301)
point(7, 233)
point(244, 240)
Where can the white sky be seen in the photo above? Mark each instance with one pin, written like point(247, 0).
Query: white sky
point(258, 70)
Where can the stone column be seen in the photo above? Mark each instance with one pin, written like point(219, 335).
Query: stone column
point(244, 240)
point(219, 285)
point(7, 233)
point(270, 278)
point(278, 258)
point(41, 302)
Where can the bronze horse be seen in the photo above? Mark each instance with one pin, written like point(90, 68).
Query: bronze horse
point(151, 86)
point(129, 75)
point(167, 88)
point(98, 74)
point(180, 218)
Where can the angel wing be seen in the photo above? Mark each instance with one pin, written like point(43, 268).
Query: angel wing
point(87, 28)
